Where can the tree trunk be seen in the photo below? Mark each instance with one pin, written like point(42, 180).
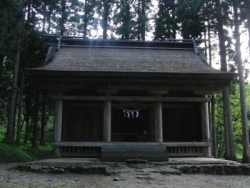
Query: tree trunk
point(49, 17)
point(27, 119)
point(35, 124)
point(244, 120)
point(1, 69)
point(127, 20)
point(229, 138)
point(63, 18)
point(9, 137)
point(248, 28)
point(248, 22)
point(105, 19)
point(139, 22)
point(43, 122)
point(143, 24)
point(18, 137)
point(209, 45)
point(26, 131)
point(174, 18)
point(44, 16)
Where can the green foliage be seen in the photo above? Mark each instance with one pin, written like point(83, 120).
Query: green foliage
point(2, 132)
point(104, 8)
point(124, 19)
point(236, 117)
point(190, 15)
point(165, 20)
point(5, 89)
point(12, 154)
point(11, 30)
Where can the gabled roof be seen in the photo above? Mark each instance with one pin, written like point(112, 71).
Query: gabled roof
point(116, 56)
point(126, 60)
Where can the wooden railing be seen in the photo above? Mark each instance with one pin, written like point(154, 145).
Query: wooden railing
point(94, 149)
point(80, 151)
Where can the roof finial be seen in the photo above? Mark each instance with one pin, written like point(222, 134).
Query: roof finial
point(59, 42)
point(196, 49)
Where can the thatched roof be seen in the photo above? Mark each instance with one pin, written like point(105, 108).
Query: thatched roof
point(91, 56)
point(126, 60)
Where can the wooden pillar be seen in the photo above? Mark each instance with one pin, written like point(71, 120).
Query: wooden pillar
point(107, 122)
point(58, 125)
point(205, 125)
point(158, 122)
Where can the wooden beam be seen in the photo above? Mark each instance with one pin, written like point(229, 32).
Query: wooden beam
point(205, 125)
point(160, 92)
point(58, 120)
point(99, 144)
point(58, 125)
point(107, 122)
point(205, 92)
point(108, 91)
point(158, 122)
point(132, 98)
point(61, 83)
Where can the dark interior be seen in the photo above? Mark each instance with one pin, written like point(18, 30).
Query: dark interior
point(181, 122)
point(130, 126)
point(82, 122)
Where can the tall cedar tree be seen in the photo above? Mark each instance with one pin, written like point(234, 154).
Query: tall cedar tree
point(123, 18)
point(13, 27)
point(89, 11)
point(50, 15)
point(245, 7)
point(11, 30)
point(244, 120)
point(190, 16)
point(165, 20)
point(104, 9)
point(208, 31)
point(229, 141)
point(142, 10)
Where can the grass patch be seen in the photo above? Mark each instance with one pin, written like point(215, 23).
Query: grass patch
point(11, 154)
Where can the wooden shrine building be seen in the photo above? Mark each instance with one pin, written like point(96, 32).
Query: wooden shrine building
point(118, 99)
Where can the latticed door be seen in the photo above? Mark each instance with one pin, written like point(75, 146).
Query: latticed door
point(82, 123)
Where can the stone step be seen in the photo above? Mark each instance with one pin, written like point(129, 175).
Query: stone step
point(116, 153)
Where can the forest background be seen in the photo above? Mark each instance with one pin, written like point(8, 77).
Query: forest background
point(219, 26)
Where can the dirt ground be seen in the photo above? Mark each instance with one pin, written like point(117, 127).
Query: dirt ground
point(127, 178)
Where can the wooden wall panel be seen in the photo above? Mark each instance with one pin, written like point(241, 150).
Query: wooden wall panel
point(182, 123)
point(82, 123)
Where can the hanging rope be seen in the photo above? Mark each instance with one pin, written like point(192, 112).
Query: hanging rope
point(131, 113)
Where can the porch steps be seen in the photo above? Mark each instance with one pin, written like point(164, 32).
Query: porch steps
point(120, 153)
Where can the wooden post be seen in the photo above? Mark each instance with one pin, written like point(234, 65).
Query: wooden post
point(205, 125)
point(158, 122)
point(58, 125)
point(107, 122)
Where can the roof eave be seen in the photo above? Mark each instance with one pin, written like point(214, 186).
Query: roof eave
point(220, 75)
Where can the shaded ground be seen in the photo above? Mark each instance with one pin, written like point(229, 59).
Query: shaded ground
point(127, 176)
